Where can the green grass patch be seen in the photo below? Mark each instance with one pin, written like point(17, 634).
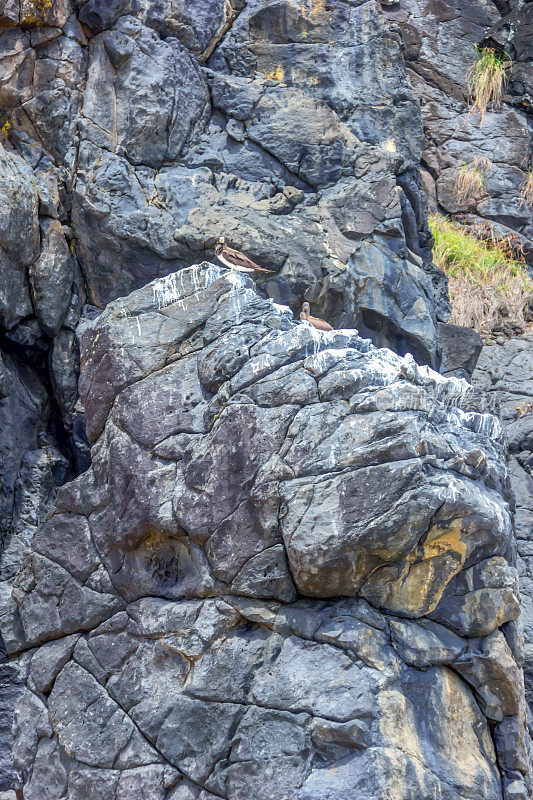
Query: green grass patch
point(487, 280)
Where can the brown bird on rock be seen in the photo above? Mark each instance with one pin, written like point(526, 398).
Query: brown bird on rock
point(234, 260)
point(321, 324)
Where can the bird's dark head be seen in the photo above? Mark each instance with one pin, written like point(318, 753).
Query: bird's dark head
point(306, 309)
point(219, 246)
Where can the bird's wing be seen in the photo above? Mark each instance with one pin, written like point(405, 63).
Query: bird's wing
point(321, 324)
point(240, 260)
point(232, 265)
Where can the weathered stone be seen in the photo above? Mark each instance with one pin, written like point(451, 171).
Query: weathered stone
point(460, 350)
point(48, 661)
point(425, 644)
point(259, 142)
point(480, 599)
point(64, 366)
point(490, 668)
point(19, 236)
point(179, 559)
point(504, 375)
point(51, 277)
point(237, 460)
point(11, 686)
point(104, 736)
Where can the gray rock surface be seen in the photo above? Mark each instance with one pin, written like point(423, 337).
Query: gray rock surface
point(505, 375)
point(164, 127)
point(288, 572)
point(440, 40)
point(248, 161)
point(31, 469)
point(127, 147)
point(461, 348)
point(134, 134)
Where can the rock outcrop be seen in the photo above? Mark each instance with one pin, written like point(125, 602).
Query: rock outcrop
point(129, 144)
point(505, 376)
point(165, 134)
point(307, 132)
point(288, 572)
point(440, 40)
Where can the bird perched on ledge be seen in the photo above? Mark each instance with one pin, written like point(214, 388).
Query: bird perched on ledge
point(320, 324)
point(234, 260)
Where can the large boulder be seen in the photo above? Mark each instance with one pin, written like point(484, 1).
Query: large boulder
point(288, 571)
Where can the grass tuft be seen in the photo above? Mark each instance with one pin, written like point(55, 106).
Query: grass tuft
point(486, 79)
point(526, 192)
point(470, 178)
point(486, 281)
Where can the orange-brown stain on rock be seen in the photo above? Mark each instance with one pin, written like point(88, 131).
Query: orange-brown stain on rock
point(441, 541)
point(426, 573)
point(276, 74)
point(153, 541)
point(434, 564)
point(37, 12)
point(314, 8)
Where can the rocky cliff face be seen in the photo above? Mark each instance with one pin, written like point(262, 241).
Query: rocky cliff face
point(287, 573)
point(439, 39)
point(505, 376)
point(134, 133)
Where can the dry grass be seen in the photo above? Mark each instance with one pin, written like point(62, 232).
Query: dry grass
point(487, 284)
point(486, 80)
point(526, 192)
point(510, 245)
point(470, 178)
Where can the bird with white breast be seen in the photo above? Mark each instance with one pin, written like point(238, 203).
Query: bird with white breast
point(235, 260)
